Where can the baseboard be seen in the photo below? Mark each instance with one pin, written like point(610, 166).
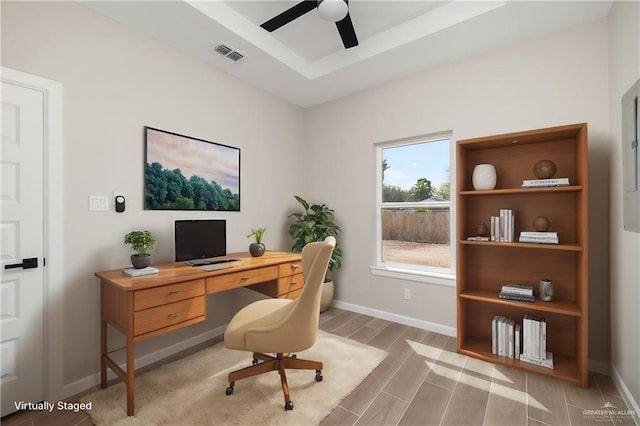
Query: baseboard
point(600, 367)
point(400, 319)
point(632, 404)
point(92, 380)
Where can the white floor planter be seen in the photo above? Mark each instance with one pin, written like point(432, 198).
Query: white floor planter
point(327, 295)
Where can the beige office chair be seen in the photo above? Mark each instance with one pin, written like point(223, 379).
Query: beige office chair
point(282, 326)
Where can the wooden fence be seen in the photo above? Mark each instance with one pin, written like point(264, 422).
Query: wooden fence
point(424, 227)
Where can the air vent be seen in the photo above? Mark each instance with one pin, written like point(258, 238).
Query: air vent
point(228, 52)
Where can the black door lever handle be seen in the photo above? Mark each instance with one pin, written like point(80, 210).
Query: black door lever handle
point(28, 263)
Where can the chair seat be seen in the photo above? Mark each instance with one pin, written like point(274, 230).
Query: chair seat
point(258, 318)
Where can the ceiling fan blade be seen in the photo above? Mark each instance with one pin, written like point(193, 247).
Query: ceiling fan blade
point(289, 15)
point(347, 33)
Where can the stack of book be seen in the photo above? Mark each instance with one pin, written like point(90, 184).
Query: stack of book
point(534, 342)
point(544, 183)
point(133, 272)
point(502, 226)
point(539, 237)
point(519, 292)
point(505, 337)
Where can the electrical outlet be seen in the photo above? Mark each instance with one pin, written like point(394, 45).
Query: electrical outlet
point(407, 294)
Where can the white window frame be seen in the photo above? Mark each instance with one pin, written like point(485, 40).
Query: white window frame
point(405, 271)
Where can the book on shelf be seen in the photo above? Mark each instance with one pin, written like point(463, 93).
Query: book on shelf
point(502, 226)
point(477, 238)
point(518, 297)
point(546, 362)
point(526, 342)
point(133, 272)
point(522, 289)
point(538, 239)
point(545, 183)
point(539, 234)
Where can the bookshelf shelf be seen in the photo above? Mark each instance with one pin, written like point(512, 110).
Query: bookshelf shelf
point(533, 246)
point(559, 307)
point(484, 266)
point(565, 367)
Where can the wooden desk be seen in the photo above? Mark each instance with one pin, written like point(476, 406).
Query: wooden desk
point(152, 305)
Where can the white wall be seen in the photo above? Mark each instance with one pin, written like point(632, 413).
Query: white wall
point(624, 42)
point(115, 81)
point(557, 79)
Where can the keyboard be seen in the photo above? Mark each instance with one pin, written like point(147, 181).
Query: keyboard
point(218, 266)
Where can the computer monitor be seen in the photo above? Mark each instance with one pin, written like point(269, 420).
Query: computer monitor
point(200, 239)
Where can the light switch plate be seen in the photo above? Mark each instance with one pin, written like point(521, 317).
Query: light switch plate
point(98, 203)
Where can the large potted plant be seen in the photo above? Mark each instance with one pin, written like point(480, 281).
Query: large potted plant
point(315, 224)
point(141, 242)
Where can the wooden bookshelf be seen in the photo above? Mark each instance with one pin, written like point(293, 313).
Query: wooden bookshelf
point(484, 266)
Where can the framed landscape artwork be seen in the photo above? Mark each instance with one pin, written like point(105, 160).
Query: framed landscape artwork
point(186, 173)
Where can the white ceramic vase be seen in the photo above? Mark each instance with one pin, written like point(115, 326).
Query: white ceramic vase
point(484, 177)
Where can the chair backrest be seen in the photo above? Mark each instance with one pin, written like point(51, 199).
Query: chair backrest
point(306, 312)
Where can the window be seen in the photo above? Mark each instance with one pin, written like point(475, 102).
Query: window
point(414, 221)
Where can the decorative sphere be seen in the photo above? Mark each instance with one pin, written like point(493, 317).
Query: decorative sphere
point(541, 224)
point(544, 169)
point(481, 229)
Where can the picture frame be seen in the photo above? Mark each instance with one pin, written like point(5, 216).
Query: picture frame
point(187, 173)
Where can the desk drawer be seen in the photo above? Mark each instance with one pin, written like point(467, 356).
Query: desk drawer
point(241, 279)
point(167, 315)
point(143, 299)
point(291, 268)
point(290, 286)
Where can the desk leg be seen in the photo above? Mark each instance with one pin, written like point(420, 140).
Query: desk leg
point(103, 353)
point(130, 376)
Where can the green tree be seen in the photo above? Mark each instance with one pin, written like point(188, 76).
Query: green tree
point(421, 190)
point(443, 190)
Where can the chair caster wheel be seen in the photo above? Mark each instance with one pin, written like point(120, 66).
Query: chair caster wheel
point(229, 390)
point(288, 406)
point(319, 376)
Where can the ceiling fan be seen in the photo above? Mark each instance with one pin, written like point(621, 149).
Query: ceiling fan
point(331, 10)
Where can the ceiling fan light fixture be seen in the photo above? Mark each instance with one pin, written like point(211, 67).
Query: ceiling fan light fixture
point(333, 10)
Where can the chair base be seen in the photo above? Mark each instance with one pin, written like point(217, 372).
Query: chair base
point(279, 363)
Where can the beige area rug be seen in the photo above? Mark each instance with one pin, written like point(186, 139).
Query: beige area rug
point(191, 391)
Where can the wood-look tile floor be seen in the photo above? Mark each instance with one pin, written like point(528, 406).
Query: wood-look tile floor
point(424, 381)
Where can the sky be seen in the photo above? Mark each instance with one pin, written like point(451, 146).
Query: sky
point(192, 156)
point(409, 163)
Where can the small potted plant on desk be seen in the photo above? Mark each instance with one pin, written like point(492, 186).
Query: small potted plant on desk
point(257, 249)
point(141, 242)
point(316, 224)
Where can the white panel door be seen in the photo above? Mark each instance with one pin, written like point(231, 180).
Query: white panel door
point(22, 233)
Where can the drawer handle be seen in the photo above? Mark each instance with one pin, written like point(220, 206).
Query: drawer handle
point(174, 315)
point(245, 278)
point(294, 282)
point(295, 266)
point(174, 292)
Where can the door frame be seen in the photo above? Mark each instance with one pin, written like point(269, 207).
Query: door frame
point(53, 344)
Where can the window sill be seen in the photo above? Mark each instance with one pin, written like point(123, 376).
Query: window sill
point(435, 278)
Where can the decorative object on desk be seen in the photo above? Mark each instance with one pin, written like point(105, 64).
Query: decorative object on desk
point(141, 242)
point(546, 290)
point(315, 224)
point(541, 224)
point(257, 249)
point(190, 391)
point(481, 229)
point(544, 169)
point(484, 177)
